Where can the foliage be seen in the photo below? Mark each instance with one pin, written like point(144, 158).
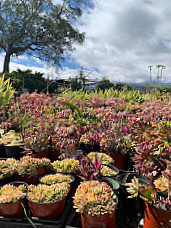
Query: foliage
point(107, 160)
point(104, 84)
point(28, 166)
point(47, 194)
point(68, 165)
point(11, 138)
point(107, 171)
point(6, 91)
point(10, 193)
point(91, 170)
point(27, 80)
point(7, 168)
point(75, 84)
point(147, 193)
point(148, 156)
point(163, 182)
point(56, 178)
point(38, 28)
point(94, 198)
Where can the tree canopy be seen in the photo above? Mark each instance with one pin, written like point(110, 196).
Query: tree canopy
point(38, 28)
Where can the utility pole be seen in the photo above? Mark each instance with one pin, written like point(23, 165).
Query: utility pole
point(162, 68)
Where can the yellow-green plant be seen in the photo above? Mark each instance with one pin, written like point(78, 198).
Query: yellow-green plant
point(11, 138)
point(68, 165)
point(56, 178)
point(106, 171)
point(94, 198)
point(10, 193)
point(6, 91)
point(48, 193)
point(7, 168)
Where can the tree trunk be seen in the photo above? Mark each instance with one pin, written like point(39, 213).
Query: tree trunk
point(6, 63)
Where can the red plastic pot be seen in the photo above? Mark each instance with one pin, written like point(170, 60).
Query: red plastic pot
point(120, 160)
point(12, 209)
point(47, 210)
point(107, 221)
point(155, 217)
point(41, 155)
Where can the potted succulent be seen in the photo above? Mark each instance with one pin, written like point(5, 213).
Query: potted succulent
point(85, 143)
point(30, 169)
point(157, 207)
point(107, 160)
point(96, 202)
point(57, 178)
point(7, 170)
point(12, 142)
point(36, 141)
point(47, 201)
point(117, 142)
point(68, 165)
point(12, 197)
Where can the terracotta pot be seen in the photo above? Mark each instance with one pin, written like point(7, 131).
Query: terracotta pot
point(47, 210)
point(41, 155)
point(155, 217)
point(107, 221)
point(53, 155)
point(12, 209)
point(120, 160)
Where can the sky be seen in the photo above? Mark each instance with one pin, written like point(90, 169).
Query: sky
point(123, 37)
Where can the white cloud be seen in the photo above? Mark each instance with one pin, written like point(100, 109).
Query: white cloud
point(124, 37)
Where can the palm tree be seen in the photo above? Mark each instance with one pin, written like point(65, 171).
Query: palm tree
point(150, 67)
point(158, 76)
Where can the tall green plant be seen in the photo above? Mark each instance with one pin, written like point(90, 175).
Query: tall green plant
point(6, 91)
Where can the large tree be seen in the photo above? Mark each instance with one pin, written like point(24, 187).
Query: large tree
point(38, 28)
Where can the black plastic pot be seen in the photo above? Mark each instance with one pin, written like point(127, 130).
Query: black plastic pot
point(133, 206)
point(13, 151)
point(87, 148)
point(2, 151)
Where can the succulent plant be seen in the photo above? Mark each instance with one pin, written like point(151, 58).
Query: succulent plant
point(68, 165)
point(163, 182)
point(149, 194)
point(107, 160)
point(7, 168)
point(10, 193)
point(91, 170)
point(107, 171)
point(56, 178)
point(47, 193)
point(94, 198)
point(11, 139)
point(28, 166)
